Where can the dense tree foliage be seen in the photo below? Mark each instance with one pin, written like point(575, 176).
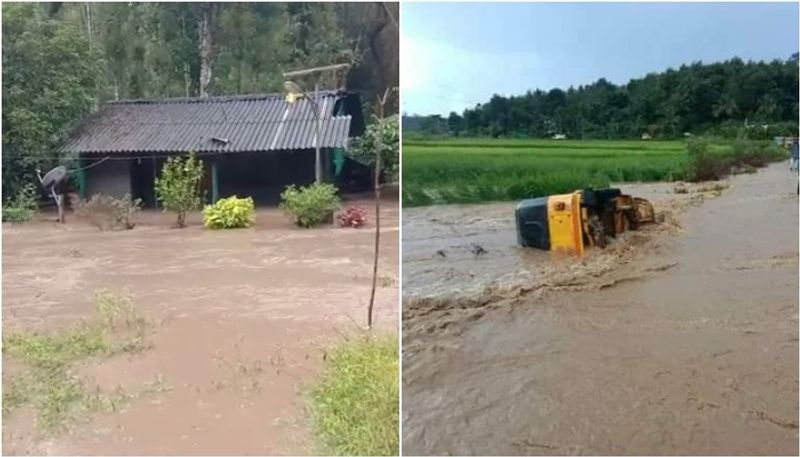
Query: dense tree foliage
point(722, 98)
point(63, 60)
point(50, 75)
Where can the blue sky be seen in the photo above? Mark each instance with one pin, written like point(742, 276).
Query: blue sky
point(455, 55)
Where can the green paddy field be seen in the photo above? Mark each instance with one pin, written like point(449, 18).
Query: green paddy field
point(479, 170)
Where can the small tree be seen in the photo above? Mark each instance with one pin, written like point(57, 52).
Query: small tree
point(381, 137)
point(178, 187)
point(380, 144)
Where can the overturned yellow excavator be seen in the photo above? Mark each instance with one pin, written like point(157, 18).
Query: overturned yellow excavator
point(585, 217)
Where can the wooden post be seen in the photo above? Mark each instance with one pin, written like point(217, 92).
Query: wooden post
point(81, 180)
point(155, 175)
point(214, 182)
point(317, 120)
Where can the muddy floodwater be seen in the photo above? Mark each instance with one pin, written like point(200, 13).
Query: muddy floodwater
point(240, 320)
point(680, 338)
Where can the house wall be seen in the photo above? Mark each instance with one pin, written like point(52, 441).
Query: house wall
point(264, 175)
point(112, 177)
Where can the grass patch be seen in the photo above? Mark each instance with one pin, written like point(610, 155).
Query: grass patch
point(474, 170)
point(356, 403)
point(41, 373)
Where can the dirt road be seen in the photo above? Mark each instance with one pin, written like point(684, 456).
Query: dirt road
point(679, 340)
point(240, 319)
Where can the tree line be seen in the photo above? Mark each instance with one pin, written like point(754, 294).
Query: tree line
point(724, 98)
point(63, 60)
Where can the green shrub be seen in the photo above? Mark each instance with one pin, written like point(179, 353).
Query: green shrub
point(22, 207)
point(756, 153)
point(178, 187)
point(705, 165)
point(310, 205)
point(106, 212)
point(231, 212)
point(355, 404)
point(712, 160)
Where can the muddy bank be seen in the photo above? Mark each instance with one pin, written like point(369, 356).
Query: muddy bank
point(685, 345)
point(239, 318)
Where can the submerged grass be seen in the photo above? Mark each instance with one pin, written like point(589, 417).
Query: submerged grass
point(356, 402)
point(480, 169)
point(40, 373)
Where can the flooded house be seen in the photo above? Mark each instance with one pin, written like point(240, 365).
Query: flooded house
point(250, 145)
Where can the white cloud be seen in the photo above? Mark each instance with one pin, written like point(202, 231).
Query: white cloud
point(438, 78)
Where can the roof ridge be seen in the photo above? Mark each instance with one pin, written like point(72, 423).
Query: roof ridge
point(219, 98)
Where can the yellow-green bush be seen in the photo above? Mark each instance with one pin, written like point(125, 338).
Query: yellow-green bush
point(231, 212)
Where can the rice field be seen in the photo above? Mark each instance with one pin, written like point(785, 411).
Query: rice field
point(476, 170)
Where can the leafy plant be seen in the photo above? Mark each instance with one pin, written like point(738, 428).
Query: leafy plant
point(353, 216)
point(310, 205)
point(381, 137)
point(231, 212)
point(22, 207)
point(178, 187)
point(106, 212)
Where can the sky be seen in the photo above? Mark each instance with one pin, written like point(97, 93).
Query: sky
point(456, 55)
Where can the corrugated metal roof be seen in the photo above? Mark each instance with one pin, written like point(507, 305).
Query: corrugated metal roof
point(248, 123)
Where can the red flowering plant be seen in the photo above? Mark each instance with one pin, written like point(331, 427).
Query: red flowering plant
point(353, 216)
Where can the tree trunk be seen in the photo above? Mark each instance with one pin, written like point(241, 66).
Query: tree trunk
point(377, 233)
point(88, 6)
point(204, 30)
point(187, 78)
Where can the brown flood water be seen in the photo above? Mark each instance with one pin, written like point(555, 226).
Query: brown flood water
point(679, 339)
point(240, 320)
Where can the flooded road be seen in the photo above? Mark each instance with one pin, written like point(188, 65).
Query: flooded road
point(680, 339)
point(240, 323)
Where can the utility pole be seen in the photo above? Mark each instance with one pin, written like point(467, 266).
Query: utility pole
point(291, 86)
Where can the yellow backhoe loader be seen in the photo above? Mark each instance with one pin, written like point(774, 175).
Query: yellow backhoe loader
point(587, 217)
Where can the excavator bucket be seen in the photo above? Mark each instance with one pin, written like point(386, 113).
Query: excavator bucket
point(644, 211)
